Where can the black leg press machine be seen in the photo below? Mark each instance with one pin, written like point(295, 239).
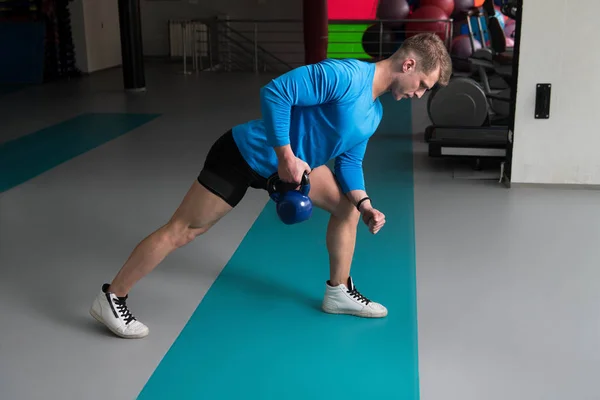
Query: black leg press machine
point(468, 119)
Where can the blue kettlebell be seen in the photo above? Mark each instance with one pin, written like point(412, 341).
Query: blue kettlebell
point(293, 206)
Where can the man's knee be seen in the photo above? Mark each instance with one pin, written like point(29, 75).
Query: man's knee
point(347, 211)
point(343, 208)
point(328, 195)
point(179, 234)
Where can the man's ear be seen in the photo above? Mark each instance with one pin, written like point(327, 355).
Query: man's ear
point(409, 65)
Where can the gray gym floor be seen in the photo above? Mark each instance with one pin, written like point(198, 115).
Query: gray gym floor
point(507, 279)
point(64, 233)
point(507, 288)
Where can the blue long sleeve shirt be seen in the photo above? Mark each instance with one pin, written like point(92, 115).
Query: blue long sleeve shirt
point(324, 111)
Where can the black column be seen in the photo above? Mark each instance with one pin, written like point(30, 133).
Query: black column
point(316, 30)
point(131, 45)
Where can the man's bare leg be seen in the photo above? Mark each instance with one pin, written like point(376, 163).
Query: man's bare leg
point(341, 296)
point(341, 240)
point(341, 229)
point(197, 213)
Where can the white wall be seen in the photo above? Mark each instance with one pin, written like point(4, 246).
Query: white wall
point(103, 34)
point(96, 34)
point(78, 31)
point(156, 13)
point(557, 47)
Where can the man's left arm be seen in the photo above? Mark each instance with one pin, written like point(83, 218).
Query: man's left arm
point(349, 172)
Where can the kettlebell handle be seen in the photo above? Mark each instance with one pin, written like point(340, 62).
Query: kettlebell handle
point(293, 205)
point(276, 186)
point(305, 183)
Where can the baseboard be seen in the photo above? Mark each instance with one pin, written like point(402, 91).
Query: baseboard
point(570, 186)
point(88, 73)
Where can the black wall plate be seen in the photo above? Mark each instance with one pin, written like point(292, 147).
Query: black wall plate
point(542, 100)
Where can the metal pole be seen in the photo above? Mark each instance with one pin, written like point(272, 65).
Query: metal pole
point(209, 39)
point(256, 47)
point(184, 39)
point(194, 47)
point(201, 52)
point(228, 46)
point(481, 32)
point(380, 39)
point(471, 33)
point(451, 35)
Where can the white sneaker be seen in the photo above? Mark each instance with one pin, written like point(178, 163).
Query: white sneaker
point(112, 311)
point(344, 299)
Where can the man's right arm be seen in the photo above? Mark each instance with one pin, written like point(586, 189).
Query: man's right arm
point(308, 85)
point(284, 153)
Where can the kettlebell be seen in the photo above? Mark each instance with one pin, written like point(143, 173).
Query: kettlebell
point(293, 206)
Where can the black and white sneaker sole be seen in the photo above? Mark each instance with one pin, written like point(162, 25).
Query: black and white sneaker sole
point(99, 319)
point(361, 314)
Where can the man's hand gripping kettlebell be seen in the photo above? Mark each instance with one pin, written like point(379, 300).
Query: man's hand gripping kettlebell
point(290, 168)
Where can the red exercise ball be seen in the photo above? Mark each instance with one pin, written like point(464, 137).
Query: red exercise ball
point(446, 5)
point(461, 50)
point(461, 46)
point(393, 9)
point(441, 26)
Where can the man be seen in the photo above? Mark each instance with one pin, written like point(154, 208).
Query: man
point(310, 115)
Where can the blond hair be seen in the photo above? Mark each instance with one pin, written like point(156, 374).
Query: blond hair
point(431, 53)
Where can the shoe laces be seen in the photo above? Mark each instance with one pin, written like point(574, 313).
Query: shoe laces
point(121, 305)
point(358, 296)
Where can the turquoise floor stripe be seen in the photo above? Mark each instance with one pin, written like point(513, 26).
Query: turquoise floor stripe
point(259, 332)
point(28, 156)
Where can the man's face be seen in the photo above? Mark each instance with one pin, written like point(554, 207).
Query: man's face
point(412, 82)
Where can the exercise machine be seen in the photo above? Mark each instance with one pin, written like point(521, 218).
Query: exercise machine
point(468, 120)
point(474, 16)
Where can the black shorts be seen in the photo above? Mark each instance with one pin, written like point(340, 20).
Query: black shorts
point(226, 173)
